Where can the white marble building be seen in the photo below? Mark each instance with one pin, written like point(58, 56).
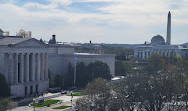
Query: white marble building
point(159, 46)
point(143, 52)
point(60, 57)
point(24, 63)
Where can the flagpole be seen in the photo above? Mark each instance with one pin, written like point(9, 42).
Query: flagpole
point(75, 71)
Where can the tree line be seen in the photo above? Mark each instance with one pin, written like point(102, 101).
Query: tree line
point(84, 75)
point(158, 84)
point(4, 93)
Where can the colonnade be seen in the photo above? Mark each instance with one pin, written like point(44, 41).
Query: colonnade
point(26, 67)
point(145, 54)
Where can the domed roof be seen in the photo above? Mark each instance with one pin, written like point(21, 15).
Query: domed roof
point(157, 40)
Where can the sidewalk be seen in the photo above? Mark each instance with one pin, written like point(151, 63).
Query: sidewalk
point(66, 101)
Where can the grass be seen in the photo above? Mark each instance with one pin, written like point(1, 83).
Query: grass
point(62, 107)
point(76, 94)
point(47, 102)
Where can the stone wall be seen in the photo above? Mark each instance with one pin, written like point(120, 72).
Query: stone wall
point(18, 90)
point(59, 59)
point(58, 63)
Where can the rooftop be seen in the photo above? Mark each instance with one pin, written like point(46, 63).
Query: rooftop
point(86, 54)
point(12, 40)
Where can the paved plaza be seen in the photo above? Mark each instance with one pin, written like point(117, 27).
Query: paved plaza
point(66, 101)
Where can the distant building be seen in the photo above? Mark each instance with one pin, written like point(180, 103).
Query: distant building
point(159, 46)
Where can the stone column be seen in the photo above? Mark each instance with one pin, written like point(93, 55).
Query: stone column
point(33, 67)
point(10, 69)
point(21, 68)
point(27, 67)
point(6, 65)
point(46, 66)
point(147, 54)
point(15, 68)
point(42, 66)
point(38, 66)
point(143, 55)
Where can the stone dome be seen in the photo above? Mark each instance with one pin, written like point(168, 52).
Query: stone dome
point(157, 40)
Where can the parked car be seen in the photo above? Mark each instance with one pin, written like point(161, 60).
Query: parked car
point(64, 92)
point(54, 90)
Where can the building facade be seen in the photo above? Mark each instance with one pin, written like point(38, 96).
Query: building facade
point(24, 63)
point(159, 46)
point(143, 52)
point(60, 57)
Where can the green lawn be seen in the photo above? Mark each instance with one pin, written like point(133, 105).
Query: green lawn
point(47, 102)
point(62, 107)
point(76, 94)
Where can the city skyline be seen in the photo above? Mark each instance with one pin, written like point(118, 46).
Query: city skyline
point(101, 21)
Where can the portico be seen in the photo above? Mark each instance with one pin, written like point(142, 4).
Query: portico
point(22, 67)
point(25, 65)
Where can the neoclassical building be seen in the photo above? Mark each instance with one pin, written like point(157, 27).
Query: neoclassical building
point(24, 63)
point(60, 56)
point(159, 46)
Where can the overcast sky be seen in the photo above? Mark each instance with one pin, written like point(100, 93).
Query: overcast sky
point(101, 21)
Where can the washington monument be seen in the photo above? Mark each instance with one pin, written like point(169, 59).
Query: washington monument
point(168, 38)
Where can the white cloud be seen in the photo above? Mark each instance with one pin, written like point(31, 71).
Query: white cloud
point(61, 2)
point(52, 5)
point(125, 21)
point(97, 0)
point(39, 6)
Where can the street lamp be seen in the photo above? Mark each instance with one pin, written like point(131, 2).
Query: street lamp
point(34, 104)
point(92, 106)
point(71, 98)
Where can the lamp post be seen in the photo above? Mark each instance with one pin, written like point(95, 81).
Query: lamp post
point(34, 104)
point(92, 106)
point(71, 98)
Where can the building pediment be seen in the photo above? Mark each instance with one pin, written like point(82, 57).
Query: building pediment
point(31, 43)
point(21, 42)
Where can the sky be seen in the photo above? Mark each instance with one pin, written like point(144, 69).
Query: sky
point(101, 21)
